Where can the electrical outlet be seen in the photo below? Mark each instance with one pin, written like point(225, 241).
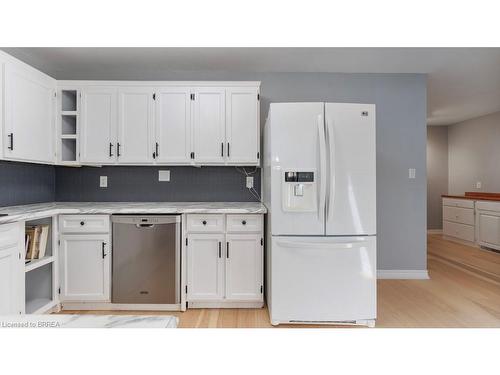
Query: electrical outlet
point(411, 173)
point(249, 182)
point(164, 176)
point(478, 185)
point(103, 181)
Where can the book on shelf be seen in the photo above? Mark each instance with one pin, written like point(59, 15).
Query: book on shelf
point(36, 241)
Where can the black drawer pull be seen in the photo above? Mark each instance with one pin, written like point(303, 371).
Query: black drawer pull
point(220, 245)
point(204, 222)
point(244, 222)
point(82, 222)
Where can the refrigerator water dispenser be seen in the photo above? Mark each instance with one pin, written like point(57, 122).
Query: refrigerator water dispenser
point(299, 191)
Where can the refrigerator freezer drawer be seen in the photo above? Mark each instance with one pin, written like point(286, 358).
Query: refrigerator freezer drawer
point(323, 279)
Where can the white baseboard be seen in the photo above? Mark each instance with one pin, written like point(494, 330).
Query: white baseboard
point(402, 274)
point(434, 231)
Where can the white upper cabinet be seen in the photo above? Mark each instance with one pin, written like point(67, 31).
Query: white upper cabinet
point(242, 125)
point(135, 125)
point(173, 125)
point(29, 115)
point(209, 125)
point(98, 133)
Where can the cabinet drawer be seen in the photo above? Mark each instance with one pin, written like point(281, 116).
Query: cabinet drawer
point(244, 223)
point(205, 223)
point(458, 215)
point(464, 203)
point(463, 231)
point(84, 224)
point(9, 235)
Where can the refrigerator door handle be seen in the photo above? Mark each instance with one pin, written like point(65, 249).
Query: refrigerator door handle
point(318, 245)
point(322, 163)
point(330, 195)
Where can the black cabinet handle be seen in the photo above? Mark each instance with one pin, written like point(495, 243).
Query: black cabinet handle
point(118, 149)
point(228, 149)
point(227, 250)
point(82, 222)
point(222, 149)
point(11, 136)
point(156, 148)
point(110, 149)
point(204, 222)
point(244, 222)
point(220, 246)
point(103, 251)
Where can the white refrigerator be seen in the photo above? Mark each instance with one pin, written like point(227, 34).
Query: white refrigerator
point(320, 190)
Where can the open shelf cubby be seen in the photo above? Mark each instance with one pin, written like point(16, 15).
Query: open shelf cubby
point(68, 100)
point(39, 293)
point(68, 149)
point(68, 125)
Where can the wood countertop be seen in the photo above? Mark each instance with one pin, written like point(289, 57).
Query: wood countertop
point(476, 196)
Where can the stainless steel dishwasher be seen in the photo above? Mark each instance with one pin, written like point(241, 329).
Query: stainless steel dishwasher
point(146, 259)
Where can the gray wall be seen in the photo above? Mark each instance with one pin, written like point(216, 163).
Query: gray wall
point(474, 155)
point(187, 184)
point(23, 183)
point(437, 174)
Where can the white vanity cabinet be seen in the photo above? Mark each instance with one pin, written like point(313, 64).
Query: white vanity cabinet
point(85, 258)
point(224, 260)
point(11, 269)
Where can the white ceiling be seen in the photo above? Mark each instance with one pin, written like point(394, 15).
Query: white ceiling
point(463, 83)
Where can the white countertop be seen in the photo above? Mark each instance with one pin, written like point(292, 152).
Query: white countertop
point(36, 211)
point(88, 321)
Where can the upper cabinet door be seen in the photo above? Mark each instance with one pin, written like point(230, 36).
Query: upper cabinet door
point(135, 125)
point(209, 125)
point(242, 125)
point(29, 115)
point(173, 125)
point(98, 132)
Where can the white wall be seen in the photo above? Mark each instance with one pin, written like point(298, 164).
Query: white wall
point(474, 155)
point(437, 174)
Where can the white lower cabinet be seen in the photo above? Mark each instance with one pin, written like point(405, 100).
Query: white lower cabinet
point(244, 267)
point(224, 262)
point(11, 270)
point(85, 267)
point(205, 267)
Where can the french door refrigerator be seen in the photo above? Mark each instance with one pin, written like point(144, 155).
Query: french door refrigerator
point(320, 190)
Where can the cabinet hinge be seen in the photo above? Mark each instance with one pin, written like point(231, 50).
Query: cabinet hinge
point(186, 241)
point(261, 289)
point(59, 242)
point(186, 289)
point(261, 242)
point(258, 96)
point(154, 96)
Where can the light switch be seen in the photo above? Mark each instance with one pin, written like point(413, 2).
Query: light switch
point(479, 185)
point(164, 176)
point(103, 181)
point(411, 173)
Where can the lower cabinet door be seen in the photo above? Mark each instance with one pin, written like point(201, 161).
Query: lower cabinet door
point(489, 229)
point(85, 267)
point(205, 262)
point(11, 275)
point(244, 271)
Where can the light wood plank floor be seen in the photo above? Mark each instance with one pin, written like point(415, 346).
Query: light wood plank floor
point(464, 291)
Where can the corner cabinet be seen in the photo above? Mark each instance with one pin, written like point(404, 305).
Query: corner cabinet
point(224, 260)
point(29, 115)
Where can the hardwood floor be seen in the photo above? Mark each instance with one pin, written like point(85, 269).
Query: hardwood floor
point(464, 291)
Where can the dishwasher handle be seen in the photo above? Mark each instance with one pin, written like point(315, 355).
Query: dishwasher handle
point(144, 225)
